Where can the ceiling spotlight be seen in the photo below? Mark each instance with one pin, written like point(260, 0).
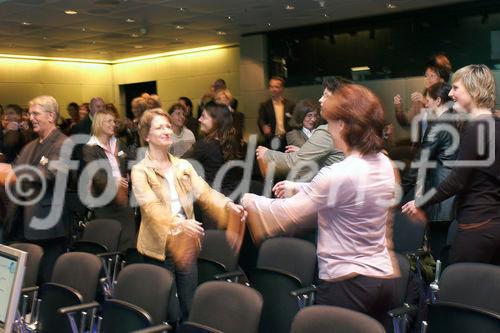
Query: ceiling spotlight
point(221, 33)
point(84, 29)
point(390, 5)
point(289, 7)
point(229, 18)
point(134, 36)
point(326, 15)
point(130, 20)
point(138, 46)
point(26, 23)
point(70, 12)
point(179, 27)
point(92, 42)
point(269, 24)
point(181, 9)
point(44, 38)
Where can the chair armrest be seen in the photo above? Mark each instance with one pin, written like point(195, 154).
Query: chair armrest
point(155, 329)
point(109, 254)
point(229, 275)
point(77, 308)
point(403, 310)
point(29, 290)
point(303, 291)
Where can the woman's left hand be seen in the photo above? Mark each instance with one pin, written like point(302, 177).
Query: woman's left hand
point(411, 210)
point(238, 210)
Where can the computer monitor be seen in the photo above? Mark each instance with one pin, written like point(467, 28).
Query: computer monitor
point(12, 267)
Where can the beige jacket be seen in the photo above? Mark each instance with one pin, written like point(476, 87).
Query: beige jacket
point(157, 235)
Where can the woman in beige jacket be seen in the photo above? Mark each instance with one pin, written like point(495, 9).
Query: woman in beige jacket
point(165, 188)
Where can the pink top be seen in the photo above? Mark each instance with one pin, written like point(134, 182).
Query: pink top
point(351, 199)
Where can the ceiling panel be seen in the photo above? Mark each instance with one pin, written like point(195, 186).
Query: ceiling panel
point(99, 29)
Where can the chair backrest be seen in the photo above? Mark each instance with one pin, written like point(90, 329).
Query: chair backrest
point(55, 296)
point(472, 284)
point(447, 317)
point(326, 319)
point(408, 235)
point(103, 231)
point(120, 316)
point(35, 254)
point(148, 287)
point(228, 307)
point(292, 255)
point(216, 247)
point(80, 271)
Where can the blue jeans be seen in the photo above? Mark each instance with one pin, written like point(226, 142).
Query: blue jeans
point(186, 282)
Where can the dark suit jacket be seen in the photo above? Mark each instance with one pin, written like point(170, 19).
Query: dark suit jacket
point(83, 126)
point(95, 153)
point(267, 116)
point(20, 217)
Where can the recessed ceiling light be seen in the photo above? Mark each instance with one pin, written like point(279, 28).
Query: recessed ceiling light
point(229, 18)
point(92, 42)
point(390, 5)
point(289, 7)
point(269, 24)
point(70, 12)
point(44, 37)
point(179, 27)
point(130, 20)
point(26, 23)
point(221, 33)
point(134, 36)
point(326, 15)
point(84, 29)
point(138, 46)
point(181, 9)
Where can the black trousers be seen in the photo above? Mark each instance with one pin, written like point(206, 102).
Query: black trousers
point(369, 295)
point(477, 243)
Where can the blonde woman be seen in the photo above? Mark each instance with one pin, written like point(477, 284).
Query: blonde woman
point(108, 154)
point(165, 188)
point(476, 185)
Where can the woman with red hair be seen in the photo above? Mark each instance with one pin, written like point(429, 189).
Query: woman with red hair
point(351, 200)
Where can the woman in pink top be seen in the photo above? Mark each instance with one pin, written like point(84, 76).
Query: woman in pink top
point(351, 200)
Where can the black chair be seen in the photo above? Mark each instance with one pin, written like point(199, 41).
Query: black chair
point(141, 299)
point(35, 254)
point(226, 307)
point(332, 319)
point(75, 280)
point(99, 236)
point(408, 235)
point(472, 284)
point(284, 266)
point(216, 256)
point(449, 317)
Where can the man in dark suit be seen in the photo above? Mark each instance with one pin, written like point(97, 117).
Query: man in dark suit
point(35, 187)
point(274, 114)
point(83, 127)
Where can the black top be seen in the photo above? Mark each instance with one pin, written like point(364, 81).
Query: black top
point(477, 188)
point(209, 153)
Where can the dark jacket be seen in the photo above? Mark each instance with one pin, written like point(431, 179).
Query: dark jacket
point(19, 217)
point(267, 116)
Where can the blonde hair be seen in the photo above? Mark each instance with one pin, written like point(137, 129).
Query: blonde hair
point(146, 119)
point(479, 83)
point(48, 104)
point(98, 121)
point(226, 93)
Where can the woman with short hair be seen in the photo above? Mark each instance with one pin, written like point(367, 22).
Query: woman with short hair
point(107, 153)
point(165, 188)
point(304, 121)
point(351, 200)
point(182, 137)
point(476, 185)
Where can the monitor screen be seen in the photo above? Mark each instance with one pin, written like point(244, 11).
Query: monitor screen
point(12, 266)
point(8, 268)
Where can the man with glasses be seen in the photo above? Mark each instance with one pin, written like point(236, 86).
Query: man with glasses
point(30, 185)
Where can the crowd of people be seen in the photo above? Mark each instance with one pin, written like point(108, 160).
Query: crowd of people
point(333, 152)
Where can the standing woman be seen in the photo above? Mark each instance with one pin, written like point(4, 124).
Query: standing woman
point(182, 137)
point(476, 187)
point(219, 145)
point(305, 120)
point(109, 154)
point(165, 188)
point(351, 201)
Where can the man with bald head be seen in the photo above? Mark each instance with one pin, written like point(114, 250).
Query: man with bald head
point(83, 127)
